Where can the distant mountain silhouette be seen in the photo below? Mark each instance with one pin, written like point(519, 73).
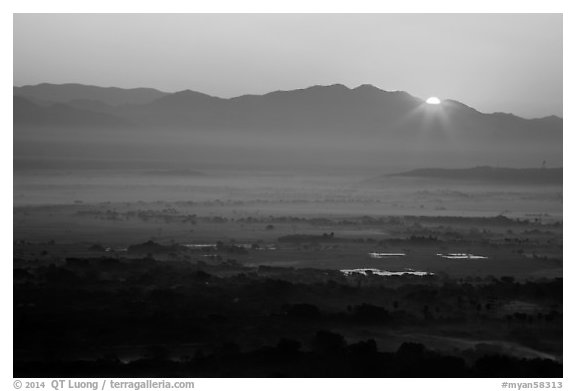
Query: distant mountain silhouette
point(491, 174)
point(337, 109)
point(91, 105)
point(28, 114)
point(390, 126)
point(334, 108)
point(64, 93)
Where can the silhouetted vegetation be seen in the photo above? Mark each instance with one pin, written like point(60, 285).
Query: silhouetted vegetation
point(141, 317)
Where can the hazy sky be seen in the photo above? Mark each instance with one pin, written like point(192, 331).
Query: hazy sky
point(493, 62)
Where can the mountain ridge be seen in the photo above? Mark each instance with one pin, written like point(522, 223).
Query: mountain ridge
point(18, 90)
point(319, 120)
point(26, 112)
point(63, 93)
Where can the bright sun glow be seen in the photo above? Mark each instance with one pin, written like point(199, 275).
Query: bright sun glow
point(433, 101)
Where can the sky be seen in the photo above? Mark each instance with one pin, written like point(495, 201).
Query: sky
point(493, 62)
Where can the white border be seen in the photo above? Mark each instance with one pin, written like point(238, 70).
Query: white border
point(246, 6)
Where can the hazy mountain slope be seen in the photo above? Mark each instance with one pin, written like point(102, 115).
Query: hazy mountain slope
point(30, 115)
point(63, 93)
point(183, 109)
point(333, 108)
point(317, 125)
point(336, 109)
point(317, 109)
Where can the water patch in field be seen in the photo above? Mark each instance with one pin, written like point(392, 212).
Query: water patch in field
point(461, 256)
point(378, 272)
point(386, 255)
point(199, 245)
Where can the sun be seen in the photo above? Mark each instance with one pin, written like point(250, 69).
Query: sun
point(433, 100)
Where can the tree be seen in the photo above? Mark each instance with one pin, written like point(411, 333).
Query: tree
point(329, 342)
